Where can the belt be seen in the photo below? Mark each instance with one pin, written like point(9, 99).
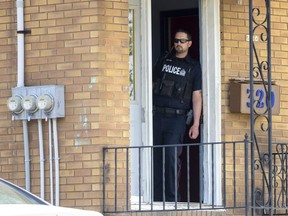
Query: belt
point(169, 111)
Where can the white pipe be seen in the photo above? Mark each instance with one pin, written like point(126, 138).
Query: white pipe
point(26, 154)
point(56, 158)
point(20, 83)
point(51, 162)
point(41, 155)
point(20, 41)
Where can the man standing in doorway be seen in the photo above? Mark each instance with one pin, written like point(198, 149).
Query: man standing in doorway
point(177, 84)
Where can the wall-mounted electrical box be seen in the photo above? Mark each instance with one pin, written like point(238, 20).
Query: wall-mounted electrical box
point(37, 102)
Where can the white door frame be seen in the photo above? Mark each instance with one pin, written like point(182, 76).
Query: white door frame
point(210, 60)
point(147, 129)
point(136, 98)
point(210, 53)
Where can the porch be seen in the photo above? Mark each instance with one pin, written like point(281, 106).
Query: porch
point(237, 178)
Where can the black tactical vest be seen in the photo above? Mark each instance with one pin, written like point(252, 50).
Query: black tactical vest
point(174, 80)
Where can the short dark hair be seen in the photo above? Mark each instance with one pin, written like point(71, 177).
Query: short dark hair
point(189, 35)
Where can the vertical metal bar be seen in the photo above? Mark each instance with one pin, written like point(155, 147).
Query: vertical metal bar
point(264, 192)
point(139, 179)
point(115, 179)
point(224, 174)
point(201, 173)
point(163, 176)
point(213, 176)
point(269, 105)
point(246, 174)
point(127, 177)
point(283, 186)
point(275, 182)
point(176, 174)
point(104, 179)
point(152, 178)
point(234, 175)
point(251, 104)
point(188, 176)
point(286, 171)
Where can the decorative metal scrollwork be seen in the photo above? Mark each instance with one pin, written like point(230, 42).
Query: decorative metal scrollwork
point(280, 175)
point(262, 72)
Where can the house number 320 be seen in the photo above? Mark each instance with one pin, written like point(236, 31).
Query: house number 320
point(261, 98)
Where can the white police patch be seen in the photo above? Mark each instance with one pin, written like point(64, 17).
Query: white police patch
point(173, 69)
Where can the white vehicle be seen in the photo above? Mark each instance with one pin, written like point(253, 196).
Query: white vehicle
point(15, 201)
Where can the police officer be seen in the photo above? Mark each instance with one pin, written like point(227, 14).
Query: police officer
point(177, 84)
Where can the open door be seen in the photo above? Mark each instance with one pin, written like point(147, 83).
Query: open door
point(147, 49)
point(172, 20)
point(135, 94)
point(140, 60)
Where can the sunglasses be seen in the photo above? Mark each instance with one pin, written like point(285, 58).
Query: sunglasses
point(182, 41)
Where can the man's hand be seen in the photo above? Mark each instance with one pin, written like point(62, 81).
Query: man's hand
point(197, 107)
point(194, 131)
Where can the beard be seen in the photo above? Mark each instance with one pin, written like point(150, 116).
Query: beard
point(179, 49)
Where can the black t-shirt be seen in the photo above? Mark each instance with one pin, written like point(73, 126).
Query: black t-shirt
point(186, 69)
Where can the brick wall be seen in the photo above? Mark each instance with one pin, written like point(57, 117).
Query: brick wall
point(235, 61)
point(82, 45)
point(235, 64)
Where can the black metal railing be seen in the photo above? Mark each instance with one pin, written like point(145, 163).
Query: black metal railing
point(279, 182)
point(260, 69)
point(128, 178)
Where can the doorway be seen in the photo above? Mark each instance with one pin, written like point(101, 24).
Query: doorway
point(150, 44)
point(210, 58)
point(170, 21)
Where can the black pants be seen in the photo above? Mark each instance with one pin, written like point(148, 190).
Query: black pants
point(167, 130)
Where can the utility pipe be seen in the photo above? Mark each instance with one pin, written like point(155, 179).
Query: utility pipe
point(51, 161)
point(56, 158)
point(41, 155)
point(26, 154)
point(20, 83)
point(20, 41)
